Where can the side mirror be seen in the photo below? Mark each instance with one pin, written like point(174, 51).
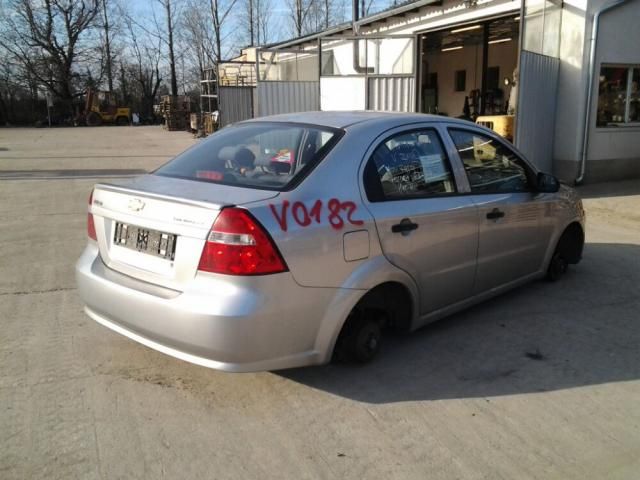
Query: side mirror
point(547, 183)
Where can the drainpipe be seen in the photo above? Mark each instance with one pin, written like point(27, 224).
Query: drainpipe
point(591, 74)
point(355, 15)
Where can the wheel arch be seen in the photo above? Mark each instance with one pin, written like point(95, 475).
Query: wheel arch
point(394, 300)
point(574, 225)
point(571, 242)
point(369, 284)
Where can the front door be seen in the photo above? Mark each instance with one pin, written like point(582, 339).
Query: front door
point(512, 243)
point(425, 227)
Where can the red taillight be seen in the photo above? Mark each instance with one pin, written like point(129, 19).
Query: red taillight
point(91, 227)
point(238, 245)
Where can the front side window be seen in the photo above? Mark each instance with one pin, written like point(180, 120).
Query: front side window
point(618, 96)
point(409, 165)
point(258, 155)
point(491, 167)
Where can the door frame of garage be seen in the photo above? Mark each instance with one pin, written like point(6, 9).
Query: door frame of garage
point(480, 20)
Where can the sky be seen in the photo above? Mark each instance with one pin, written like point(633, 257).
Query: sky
point(281, 18)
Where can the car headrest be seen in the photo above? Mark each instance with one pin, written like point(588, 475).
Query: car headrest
point(244, 157)
point(227, 153)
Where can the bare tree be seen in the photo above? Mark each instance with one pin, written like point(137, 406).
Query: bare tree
point(264, 21)
point(255, 22)
point(251, 22)
point(166, 35)
point(313, 15)
point(172, 60)
point(300, 12)
point(143, 69)
point(219, 14)
point(46, 38)
point(197, 33)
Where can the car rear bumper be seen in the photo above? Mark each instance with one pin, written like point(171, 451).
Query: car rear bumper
point(255, 323)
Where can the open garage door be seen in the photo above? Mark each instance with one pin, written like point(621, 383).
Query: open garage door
point(467, 71)
point(368, 73)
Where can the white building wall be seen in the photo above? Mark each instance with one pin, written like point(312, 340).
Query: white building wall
point(342, 93)
point(572, 81)
point(618, 42)
point(613, 152)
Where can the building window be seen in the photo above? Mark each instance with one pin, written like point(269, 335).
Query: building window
point(618, 96)
point(460, 80)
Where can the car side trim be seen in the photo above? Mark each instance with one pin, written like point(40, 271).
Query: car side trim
point(479, 298)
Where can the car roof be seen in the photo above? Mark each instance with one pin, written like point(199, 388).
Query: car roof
point(346, 119)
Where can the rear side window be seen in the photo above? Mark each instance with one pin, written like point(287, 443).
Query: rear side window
point(490, 165)
point(409, 165)
point(272, 156)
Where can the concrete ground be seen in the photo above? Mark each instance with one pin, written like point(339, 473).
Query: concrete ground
point(542, 383)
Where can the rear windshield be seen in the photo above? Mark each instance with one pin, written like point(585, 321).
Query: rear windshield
point(273, 156)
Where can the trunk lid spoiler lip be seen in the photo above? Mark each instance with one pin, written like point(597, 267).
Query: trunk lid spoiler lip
point(175, 199)
point(184, 191)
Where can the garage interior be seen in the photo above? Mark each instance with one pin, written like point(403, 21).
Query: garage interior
point(468, 71)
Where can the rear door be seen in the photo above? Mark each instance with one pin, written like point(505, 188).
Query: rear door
point(425, 226)
point(512, 243)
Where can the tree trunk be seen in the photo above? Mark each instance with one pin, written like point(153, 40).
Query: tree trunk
point(123, 86)
point(258, 11)
point(326, 13)
point(251, 21)
point(172, 62)
point(299, 17)
point(217, 30)
point(107, 44)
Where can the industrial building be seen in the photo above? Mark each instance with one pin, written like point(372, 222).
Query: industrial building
point(563, 76)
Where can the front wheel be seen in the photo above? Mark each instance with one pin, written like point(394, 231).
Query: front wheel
point(93, 119)
point(557, 267)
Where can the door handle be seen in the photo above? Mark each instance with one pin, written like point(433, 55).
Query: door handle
point(404, 227)
point(495, 214)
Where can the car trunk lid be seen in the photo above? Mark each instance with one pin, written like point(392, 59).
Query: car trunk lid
point(154, 228)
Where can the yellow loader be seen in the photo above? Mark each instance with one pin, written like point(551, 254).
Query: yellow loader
point(102, 107)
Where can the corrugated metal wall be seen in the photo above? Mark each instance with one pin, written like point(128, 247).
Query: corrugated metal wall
point(392, 93)
point(276, 97)
point(236, 104)
point(536, 110)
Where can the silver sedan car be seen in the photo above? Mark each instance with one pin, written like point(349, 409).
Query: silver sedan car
point(291, 240)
